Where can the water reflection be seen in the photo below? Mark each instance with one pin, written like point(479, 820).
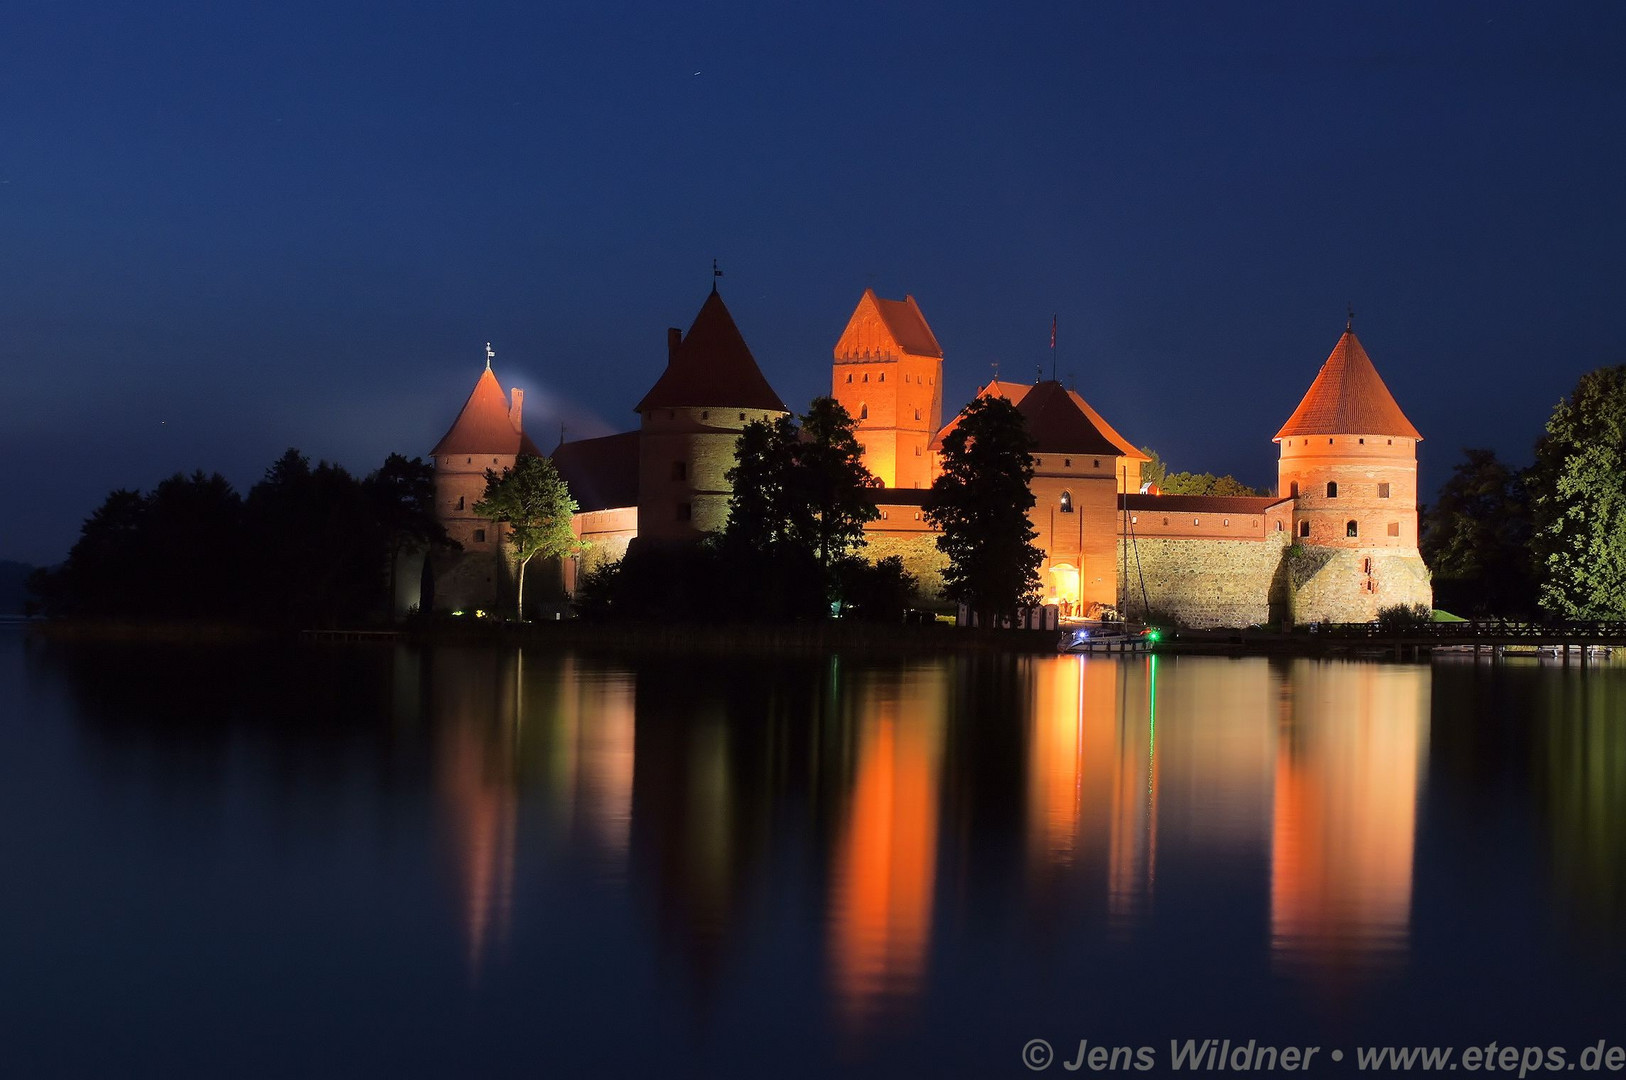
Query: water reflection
point(885, 861)
point(1349, 760)
point(714, 850)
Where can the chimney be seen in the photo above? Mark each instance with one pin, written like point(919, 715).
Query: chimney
point(674, 338)
point(518, 397)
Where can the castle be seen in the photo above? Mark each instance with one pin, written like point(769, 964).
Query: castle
point(1338, 541)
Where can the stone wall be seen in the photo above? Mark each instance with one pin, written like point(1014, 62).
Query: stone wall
point(1347, 585)
point(917, 549)
point(1206, 583)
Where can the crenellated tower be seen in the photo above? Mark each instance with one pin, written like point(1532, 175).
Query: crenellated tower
point(888, 375)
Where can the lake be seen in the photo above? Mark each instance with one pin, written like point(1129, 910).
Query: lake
point(384, 860)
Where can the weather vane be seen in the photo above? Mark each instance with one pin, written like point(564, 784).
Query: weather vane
point(1350, 324)
point(490, 355)
point(715, 274)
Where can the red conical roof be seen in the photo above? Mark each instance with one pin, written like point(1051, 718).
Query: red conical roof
point(483, 427)
point(712, 367)
point(1348, 398)
point(1059, 426)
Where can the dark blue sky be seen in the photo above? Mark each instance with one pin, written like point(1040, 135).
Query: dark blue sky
point(228, 229)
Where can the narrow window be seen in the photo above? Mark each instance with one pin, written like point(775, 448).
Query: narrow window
point(1165, 523)
point(917, 414)
point(1067, 502)
point(1304, 528)
point(684, 511)
point(917, 451)
point(1391, 442)
point(705, 415)
point(1133, 520)
point(1097, 463)
point(1366, 566)
point(849, 376)
point(1067, 463)
point(459, 505)
point(1294, 489)
point(1332, 489)
point(1227, 523)
point(1349, 528)
point(1196, 521)
point(742, 416)
point(1361, 441)
point(479, 536)
point(1038, 461)
point(882, 378)
point(1278, 526)
point(866, 376)
point(470, 461)
point(1329, 442)
point(1383, 491)
point(863, 412)
point(1394, 528)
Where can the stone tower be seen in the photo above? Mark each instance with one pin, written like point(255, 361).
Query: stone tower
point(487, 434)
point(689, 422)
point(1349, 463)
point(888, 375)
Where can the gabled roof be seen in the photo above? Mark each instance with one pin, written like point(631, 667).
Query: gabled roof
point(712, 366)
point(1348, 398)
point(602, 474)
point(1017, 393)
point(483, 427)
point(1059, 426)
point(884, 329)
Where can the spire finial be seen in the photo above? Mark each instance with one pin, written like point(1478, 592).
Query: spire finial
point(1350, 323)
point(995, 366)
point(490, 353)
point(715, 274)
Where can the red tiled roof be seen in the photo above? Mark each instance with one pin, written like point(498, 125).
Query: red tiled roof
point(907, 325)
point(712, 366)
point(483, 426)
point(1348, 398)
point(1017, 393)
point(1058, 425)
point(1199, 504)
point(602, 473)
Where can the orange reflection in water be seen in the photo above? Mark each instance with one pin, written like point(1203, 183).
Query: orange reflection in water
point(886, 859)
point(579, 726)
point(1351, 752)
point(475, 701)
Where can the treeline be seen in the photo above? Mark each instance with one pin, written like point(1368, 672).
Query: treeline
point(1549, 538)
point(308, 546)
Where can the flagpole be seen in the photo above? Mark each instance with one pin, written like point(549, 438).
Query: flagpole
point(1052, 348)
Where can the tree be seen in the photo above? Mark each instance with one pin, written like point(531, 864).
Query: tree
point(1153, 471)
point(1185, 483)
point(533, 499)
point(402, 494)
point(980, 503)
point(764, 508)
point(1578, 501)
point(1476, 539)
point(831, 480)
point(797, 508)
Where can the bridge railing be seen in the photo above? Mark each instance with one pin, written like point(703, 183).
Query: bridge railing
point(1502, 629)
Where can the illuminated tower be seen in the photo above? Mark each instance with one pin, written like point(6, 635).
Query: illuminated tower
point(689, 422)
point(888, 375)
point(1349, 463)
point(1349, 458)
point(487, 434)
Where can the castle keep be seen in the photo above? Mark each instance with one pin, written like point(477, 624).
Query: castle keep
point(1337, 542)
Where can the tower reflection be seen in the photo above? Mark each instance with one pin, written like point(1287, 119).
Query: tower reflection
point(885, 861)
point(1349, 759)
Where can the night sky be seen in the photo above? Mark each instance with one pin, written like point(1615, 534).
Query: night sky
point(226, 229)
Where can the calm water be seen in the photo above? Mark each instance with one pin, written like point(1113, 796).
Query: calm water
point(460, 861)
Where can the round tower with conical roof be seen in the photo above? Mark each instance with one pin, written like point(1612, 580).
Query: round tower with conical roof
point(689, 422)
point(1348, 460)
point(487, 434)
